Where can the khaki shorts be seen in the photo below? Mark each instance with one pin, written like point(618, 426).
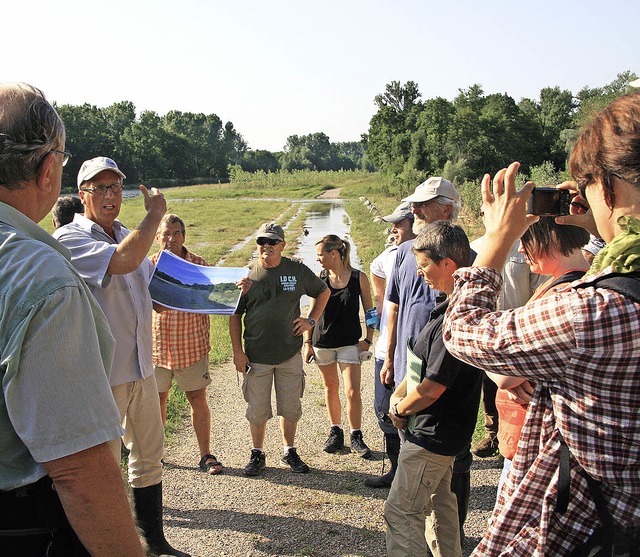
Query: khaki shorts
point(342, 355)
point(192, 378)
point(289, 386)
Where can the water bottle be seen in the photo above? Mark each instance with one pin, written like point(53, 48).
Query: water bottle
point(372, 319)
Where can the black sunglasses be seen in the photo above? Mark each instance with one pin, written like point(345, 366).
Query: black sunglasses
point(270, 241)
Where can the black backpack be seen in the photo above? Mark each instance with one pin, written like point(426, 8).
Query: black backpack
point(609, 540)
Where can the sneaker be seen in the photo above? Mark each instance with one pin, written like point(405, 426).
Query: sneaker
point(257, 462)
point(296, 463)
point(358, 445)
point(383, 481)
point(487, 447)
point(335, 441)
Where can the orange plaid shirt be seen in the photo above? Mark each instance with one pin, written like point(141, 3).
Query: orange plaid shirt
point(180, 339)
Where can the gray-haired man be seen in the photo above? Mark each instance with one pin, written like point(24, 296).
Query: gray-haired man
point(57, 414)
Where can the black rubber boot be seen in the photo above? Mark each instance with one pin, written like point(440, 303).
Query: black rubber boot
point(392, 443)
point(461, 488)
point(147, 504)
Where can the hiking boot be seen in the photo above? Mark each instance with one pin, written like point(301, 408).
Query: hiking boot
point(358, 445)
point(487, 447)
point(335, 441)
point(294, 461)
point(383, 481)
point(257, 462)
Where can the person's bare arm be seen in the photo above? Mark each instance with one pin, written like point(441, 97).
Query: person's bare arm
point(505, 381)
point(90, 487)
point(365, 296)
point(240, 359)
point(300, 324)
point(134, 248)
point(423, 396)
point(379, 285)
point(386, 373)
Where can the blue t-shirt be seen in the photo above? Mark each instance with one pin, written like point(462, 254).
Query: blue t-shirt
point(415, 300)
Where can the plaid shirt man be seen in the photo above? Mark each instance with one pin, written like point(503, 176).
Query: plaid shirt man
point(180, 339)
point(581, 347)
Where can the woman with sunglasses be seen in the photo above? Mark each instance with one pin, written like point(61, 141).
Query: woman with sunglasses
point(580, 345)
point(335, 340)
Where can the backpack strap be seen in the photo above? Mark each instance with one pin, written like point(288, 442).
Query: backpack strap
point(627, 284)
point(567, 277)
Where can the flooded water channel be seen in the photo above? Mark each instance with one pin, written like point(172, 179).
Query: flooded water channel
point(324, 216)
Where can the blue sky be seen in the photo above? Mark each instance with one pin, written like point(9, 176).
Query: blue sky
point(277, 67)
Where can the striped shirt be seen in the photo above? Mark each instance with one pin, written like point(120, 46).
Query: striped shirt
point(180, 339)
point(582, 348)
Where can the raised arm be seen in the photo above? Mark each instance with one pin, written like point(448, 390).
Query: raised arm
point(134, 248)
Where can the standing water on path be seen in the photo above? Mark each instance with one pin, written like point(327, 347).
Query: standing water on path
point(325, 217)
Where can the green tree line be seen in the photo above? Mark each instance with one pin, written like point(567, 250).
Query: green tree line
point(410, 139)
point(183, 148)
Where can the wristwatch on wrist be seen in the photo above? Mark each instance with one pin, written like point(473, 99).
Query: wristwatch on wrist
point(312, 322)
point(395, 411)
point(369, 342)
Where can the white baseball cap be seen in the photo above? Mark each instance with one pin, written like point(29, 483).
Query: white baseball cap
point(93, 166)
point(432, 188)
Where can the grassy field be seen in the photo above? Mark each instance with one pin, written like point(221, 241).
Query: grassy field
point(220, 216)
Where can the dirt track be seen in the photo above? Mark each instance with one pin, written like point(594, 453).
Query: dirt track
point(326, 513)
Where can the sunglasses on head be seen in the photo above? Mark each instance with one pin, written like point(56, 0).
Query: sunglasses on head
point(270, 241)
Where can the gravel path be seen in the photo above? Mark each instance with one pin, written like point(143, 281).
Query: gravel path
point(326, 513)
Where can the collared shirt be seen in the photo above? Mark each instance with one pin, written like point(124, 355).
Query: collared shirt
point(382, 266)
point(581, 347)
point(125, 299)
point(415, 300)
point(55, 356)
point(180, 338)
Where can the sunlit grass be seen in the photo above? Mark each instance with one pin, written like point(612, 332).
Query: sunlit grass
point(217, 218)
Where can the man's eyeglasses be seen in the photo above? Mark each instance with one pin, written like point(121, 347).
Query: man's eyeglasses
point(270, 241)
point(65, 156)
point(102, 189)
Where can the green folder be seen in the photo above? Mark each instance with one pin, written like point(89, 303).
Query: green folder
point(414, 377)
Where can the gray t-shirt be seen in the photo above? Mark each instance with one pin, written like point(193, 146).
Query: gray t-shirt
point(270, 307)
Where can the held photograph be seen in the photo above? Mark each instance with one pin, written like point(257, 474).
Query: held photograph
point(178, 284)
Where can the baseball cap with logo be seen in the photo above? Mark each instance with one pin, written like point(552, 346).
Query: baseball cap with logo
point(432, 188)
point(93, 166)
point(401, 212)
point(271, 230)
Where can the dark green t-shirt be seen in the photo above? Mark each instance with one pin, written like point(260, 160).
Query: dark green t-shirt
point(270, 307)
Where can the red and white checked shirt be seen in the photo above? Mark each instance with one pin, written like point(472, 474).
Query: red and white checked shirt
point(582, 348)
point(180, 339)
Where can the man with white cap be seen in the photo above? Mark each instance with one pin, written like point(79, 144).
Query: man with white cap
point(112, 260)
point(401, 221)
point(411, 302)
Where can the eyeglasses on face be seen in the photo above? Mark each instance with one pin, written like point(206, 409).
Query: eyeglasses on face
point(270, 241)
point(102, 189)
point(65, 156)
